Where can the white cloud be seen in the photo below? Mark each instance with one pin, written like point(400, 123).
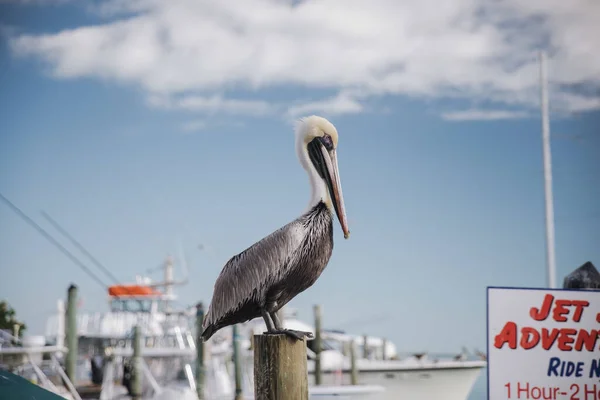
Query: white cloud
point(213, 125)
point(474, 49)
point(482, 115)
point(575, 103)
point(194, 126)
point(343, 103)
point(211, 104)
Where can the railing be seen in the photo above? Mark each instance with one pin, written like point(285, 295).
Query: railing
point(21, 359)
point(120, 324)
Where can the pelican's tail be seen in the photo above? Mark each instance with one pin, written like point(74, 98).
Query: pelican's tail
point(208, 332)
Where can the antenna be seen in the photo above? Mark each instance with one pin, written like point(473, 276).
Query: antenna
point(550, 256)
point(168, 268)
point(169, 276)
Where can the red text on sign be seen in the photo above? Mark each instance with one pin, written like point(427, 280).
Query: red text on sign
point(560, 311)
point(566, 339)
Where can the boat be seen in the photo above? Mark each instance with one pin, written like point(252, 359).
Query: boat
point(31, 359)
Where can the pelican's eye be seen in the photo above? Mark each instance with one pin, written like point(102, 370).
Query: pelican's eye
point(327, 142)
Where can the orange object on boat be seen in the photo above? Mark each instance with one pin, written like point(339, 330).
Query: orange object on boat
point(132, 290)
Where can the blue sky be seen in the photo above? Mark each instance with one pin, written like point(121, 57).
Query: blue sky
point(442, 181)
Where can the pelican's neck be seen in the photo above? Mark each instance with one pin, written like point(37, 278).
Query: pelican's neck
point(318, 190)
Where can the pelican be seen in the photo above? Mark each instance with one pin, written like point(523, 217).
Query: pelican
point(263, 278)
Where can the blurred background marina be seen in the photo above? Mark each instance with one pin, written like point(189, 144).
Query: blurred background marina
point(150, 129)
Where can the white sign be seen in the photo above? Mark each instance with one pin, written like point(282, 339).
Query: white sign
point(543, 344)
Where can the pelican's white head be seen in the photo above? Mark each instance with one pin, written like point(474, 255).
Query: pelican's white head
point(316, 144)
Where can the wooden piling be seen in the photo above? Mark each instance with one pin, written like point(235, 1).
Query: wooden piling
point(365, 347)
point(237, 363)
point(199, 352)
point(346, 349)
point(136, 378)
point(353, 369)
point(16, 328)
point(280, 370)
point(71, 359)
point(318, 347)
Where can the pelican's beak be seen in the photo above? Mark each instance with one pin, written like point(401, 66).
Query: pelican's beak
point(335, 188)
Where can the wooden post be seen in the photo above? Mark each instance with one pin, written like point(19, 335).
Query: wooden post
point(16, 328)
point(353, 370)
point(280, 371)
point(199, 352)
point(71, 361)
point(136, 378)
point(61, 332)
point(237, 363)
point(365, 347)
point(318, 347)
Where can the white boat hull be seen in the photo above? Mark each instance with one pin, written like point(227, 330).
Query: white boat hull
point(447, 384)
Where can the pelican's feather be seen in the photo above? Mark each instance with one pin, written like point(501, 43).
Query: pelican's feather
point(248, 275)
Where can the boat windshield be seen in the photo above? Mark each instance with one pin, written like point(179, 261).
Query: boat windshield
point(325, 345)
point(131, 305)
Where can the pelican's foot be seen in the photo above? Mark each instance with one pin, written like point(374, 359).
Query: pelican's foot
point(298, 335)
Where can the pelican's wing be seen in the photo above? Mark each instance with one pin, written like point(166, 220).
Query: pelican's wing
point(247, 275)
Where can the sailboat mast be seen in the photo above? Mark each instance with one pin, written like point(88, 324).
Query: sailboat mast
point(168, 281)
point(550, 254)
